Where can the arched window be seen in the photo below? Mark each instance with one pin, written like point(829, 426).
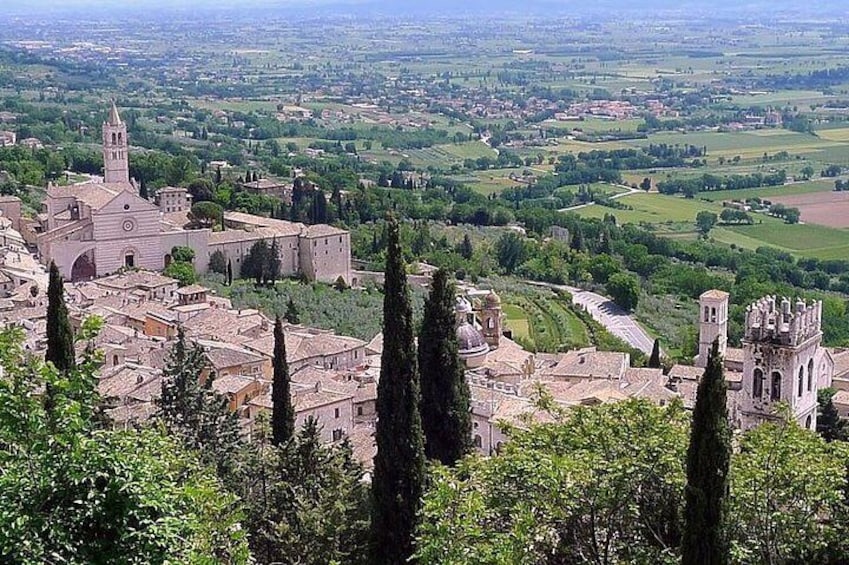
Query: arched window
point(775, 389)
point(119, 137)
point(114, 139)
point(478, 441)
point(707, 314)
point(758, 384)
point(808, 422)
point(114, 360)
point(713, 315)
point(801, 380)
point(810, 375)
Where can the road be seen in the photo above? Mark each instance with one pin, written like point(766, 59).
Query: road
point(604, 311)
point(630, 190)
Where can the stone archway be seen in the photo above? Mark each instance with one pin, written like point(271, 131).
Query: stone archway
point(84, 268)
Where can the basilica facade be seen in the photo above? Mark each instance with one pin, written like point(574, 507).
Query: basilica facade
point(99, 228)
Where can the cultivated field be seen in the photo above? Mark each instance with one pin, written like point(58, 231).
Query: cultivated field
point(823, 208)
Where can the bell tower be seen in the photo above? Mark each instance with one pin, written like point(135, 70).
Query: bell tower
point(713, 324)
point(116, 164)
point(491, 319)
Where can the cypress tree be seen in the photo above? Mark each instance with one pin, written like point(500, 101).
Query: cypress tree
point(60, 335)
point(229, 272)
point(398, 478)
point(446, 420)
point(283, 413)
point(654, 360)
point(704, 541)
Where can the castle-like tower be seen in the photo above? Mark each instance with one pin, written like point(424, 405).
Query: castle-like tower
point(783, 361)
point(713, 324)
point(116, 159)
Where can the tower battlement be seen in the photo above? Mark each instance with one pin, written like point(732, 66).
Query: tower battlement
point(782, 323)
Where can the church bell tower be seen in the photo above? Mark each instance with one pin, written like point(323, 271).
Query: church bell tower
point(116, 164)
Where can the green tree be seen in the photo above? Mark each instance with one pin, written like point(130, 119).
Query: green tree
point(829, 424)
point(256, 263)
point(206, 213)
point(274, 265)
point(705, 538)
point(399, 464)
point(624, 290)
point(465, 248)
point(600, 484)
point(705, 221)
point(788, 497)
point(229, 272)
point(654, 359)
point(292, 316)
point(306, 501)
point(218, 262)
point(283, 413)
point(193, 412)
point(510, 251)
point(183, 272)
point(445, 402)
point(182, 253)
point(78, 493)
point(60, 335)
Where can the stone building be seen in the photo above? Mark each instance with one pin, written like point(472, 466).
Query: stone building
point(95, 229)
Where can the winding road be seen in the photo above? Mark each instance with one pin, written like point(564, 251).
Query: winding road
point(607, 313)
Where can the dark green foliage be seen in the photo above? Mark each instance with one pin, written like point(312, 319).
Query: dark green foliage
point(73, 492)
point(445, 409)
point(283, 413)
point(183, 254)
point(218, 263)
point(256, 262)
point(182, 271)
point(399, 464)
point(193, 412)
point(829, 424)
point(60, 335)
point(654, 359)
point(624, 290)
point(705, 539)
point(465, 248)
point(273, 261)
point(510, 251)
point(292, 315)
point(306, 502)
point(206, 213)
point(229, 272)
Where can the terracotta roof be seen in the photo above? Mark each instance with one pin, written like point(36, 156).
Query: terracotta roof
point(236, 235)
point(363, 445)
point(686, 372)
point(232, 384)
point(591, 364)
point(191, 289)
point(734, 354)
point(841, 363)
point(135, 279)
point(715, 294)
point(223, 355)
point(94, 195)
point(321, 230)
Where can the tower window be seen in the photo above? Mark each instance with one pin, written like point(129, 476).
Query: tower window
point(707, 314)
point(810, 375)
point(801, 380)
point(758, 384)
point(775, 390)
point(713, 315)
point(114, 139)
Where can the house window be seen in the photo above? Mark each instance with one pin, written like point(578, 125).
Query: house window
point(775, 389)
point(801, 386)
point(707, 314)
point(336, 413)
point(359, 410)
point(338, 434)
point(129, 260)
point(478, 441)
point(114, 360)
point(758, 384)
point(713, 315)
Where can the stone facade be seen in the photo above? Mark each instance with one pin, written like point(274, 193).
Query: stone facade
point(96, 229)
point(783, 361)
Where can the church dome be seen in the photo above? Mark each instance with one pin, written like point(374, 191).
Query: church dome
point(492, 300)
point(462, 306)
point(470, 341)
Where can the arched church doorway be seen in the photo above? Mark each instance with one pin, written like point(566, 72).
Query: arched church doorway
point(84, 268)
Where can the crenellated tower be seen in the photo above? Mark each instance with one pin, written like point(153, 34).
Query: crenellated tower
point(116, 160)
point(783, 361)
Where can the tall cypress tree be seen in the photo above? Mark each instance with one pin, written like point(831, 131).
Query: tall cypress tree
point(704, 541)
point(283, 413)
point(60, 335)
point(446, 420)
point(399, 464)
point(654, 360)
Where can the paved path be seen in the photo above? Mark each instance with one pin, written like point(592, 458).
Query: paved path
point(631, 190)
point(604, 311)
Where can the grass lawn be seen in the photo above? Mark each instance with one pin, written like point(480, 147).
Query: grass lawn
point(809, 240)
point(517, 320)
point(653, 209)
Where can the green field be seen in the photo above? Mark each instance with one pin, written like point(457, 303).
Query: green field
point(809, 240)
point(544, 322)
point(769, 191)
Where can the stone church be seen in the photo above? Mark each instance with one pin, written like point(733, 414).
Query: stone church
point(98, 228)
point(782, 361)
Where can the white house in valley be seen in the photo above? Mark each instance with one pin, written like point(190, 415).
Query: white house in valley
point(98, 228)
